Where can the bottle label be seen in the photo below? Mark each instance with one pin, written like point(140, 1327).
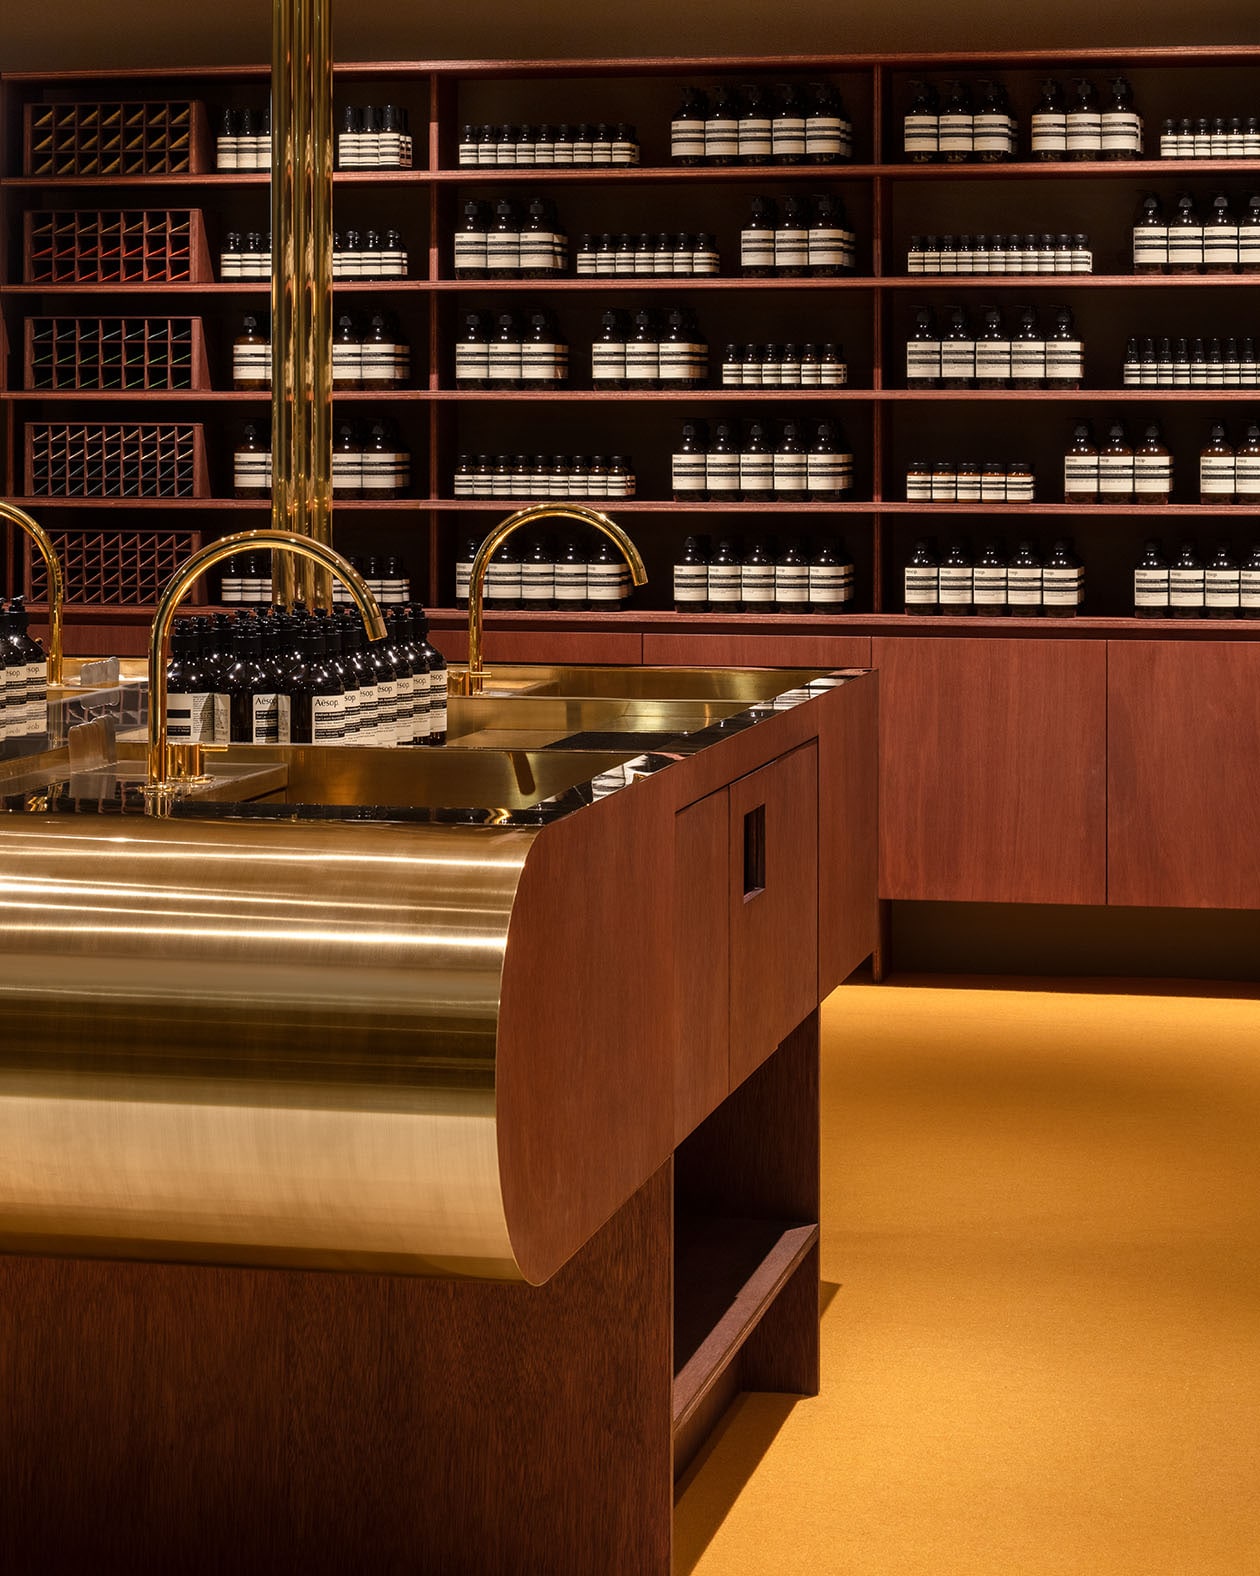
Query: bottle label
point(688, 472)
point(505, 361)
point(1221, 588)
point(993, 487)
point(725, 582)
point(1084, 131)
point(686, 139)
point(756, 248)
point(1249, 588)
point(791, 248)
point(956, 132)
point(824, 136)
point(827, 249)
point(757, 583)
point(993, 360)
point(538, 251)
point(919, 487)
point(1062, 586)
point(1150, 588)
point(1028, 359)
point(1023, 586)
point(1220, 244)
point(993, 132)
point(252, 363)
point(828, 473)
point(1217, 474)
point(789, 473)
point(328, 719)
point(1019, 488)
point(791, 585)
point(1049, 132)
point(1249, 245)
point(989, 585)
point(1115, 474)
point(676, 363)
point(472, 361)
point(271, 719)
point(608, 362)
point(787, 137)
point(756, 473)
point(537, 582)
point(1185, 243)
point(1065, 359)
point(221, 728)
point(944, 486)
point(721, 138)
point(722, 473)
point(967, 489)
point(1247, 473)
point(642, 361)
point(1185, 587)
point(958, 358)
point(1152, 473)
point(828, 584)
point(1121, 131)
point(921, 133)
point(471, 251)
point(923, 359)
point(955, 584)
point(503, 582)
point(754, 137)
point(921, 586)
point(691, 582)
point(570, 583)
point(603, 584)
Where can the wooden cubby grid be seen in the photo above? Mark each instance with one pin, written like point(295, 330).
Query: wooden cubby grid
point(889, 196)
point(126, 567)
point(104, 354)
point(153, 137)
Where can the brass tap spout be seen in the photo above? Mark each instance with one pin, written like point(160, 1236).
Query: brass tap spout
point(179, 762)
point(475, 678)
point(56, 582)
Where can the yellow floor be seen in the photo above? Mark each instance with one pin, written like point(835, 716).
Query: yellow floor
point(1041, 1264)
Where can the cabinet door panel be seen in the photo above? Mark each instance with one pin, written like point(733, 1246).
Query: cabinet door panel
point(773, 905)
point(1183, 800)
point(992, 770)
point(702, 968)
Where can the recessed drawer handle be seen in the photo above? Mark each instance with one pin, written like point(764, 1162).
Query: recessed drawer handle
point(755, 851)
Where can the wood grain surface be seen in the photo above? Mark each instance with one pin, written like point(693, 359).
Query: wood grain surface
point(1183, 764)
point(702, 962)
point(756, 651)
point(992, 763)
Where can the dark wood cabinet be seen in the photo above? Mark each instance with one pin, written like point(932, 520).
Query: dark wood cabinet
point(992, 770)
point(1183, 765)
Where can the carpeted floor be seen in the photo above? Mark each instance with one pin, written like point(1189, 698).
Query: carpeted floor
point(1041, 1264)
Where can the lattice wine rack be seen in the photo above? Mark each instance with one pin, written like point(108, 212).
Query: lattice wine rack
point(116, 460)
point(158, 138)
point(140, 353)
point(119, 246)
point(127, 568)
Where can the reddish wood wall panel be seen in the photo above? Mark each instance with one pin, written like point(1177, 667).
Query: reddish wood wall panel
point(992, 770)
point(623, 647)
point(702, 966)
point(848, 831)
point(1183, 774)
point(757, 651)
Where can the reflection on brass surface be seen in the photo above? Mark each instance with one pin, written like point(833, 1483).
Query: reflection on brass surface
point(648, 684)
point(56, 581)
point(254, 1041)
point(473, 678)
point(494, 720)
point(169, 763)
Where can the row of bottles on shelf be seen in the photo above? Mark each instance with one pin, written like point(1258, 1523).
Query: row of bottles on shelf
point(993, 584)
point(650, 349)
point(268, 677)
point(368, 462)
point(752, 125)
point(1191, 363)
point(23, 678)
point(1187, 241)
point(960, 124)
point(371, 357)
point(246, 579)
point(509, 240)
point(1237, 137)
point(607, 256)
point(994, 356)
point(374, 137)
point(763, 579)
point(505, 352)
point(1116, 471)
point(243, 140)
point(807, 461)
point(785, 366)
point(1188, 587)
point(543, 476)
point(969, 481)
point(543, 575)
point(370, 254)
point(999, 254)
point(806, 236)
point(530, 147)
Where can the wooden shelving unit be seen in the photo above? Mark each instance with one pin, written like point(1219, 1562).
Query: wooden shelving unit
point(888, 200)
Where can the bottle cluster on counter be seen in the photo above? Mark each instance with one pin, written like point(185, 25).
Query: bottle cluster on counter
point(805, 461)
point(268, 677)
point(531, 147)
point(23, 678)
point(1118, 471)
point(784, 366)
point(969, 481)
point(650, 348)
point(1191, 363)
point(374, 137)
point(243, 141)
point(1000, 254)
point(608, 255)
point(1187, 586)
point(763, 579)
point(246, 580)
point(508, 350)
point(1217, 138)
point(1192, 240)
point(796, 238)
point(991, 584)
point(755, 125)
point(545, 574)
point(1018, 356)
point(542, 476)
point(369, 461)
point(375, 356)
point(509, 239)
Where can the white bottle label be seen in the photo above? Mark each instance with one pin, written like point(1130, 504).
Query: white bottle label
point(791, 248)
point(471, 251)
point(1185, 587)
point(1220, 245)
point(922, 587)
point(923, 359)
point(1065, 360)
point(688, 472)
point(958, 358)
point(989, 585)
point(1028, 359)
point(828, 473)
point(505, 361)
point(686, 139)
point(1062, 586)
point(1217, 475)
point(721, 138)
point(921, 133)
point(1023, 586)
point(1150, 588)
point(1121, 132)
point(756, 473)
point(955, 584)
point(826, 249)
point(757, 583)
point(1152, 474)
point(1185, 244)
point(266, 718)
point(993, 360)
point(725, 582)
point(1115, 475)
point(608, 362)
point(190, 717)
point(789, 473)
point(1221, 588)
point(828, 584)
point(1247, 474)
point(252, 364)
point(1049, 132)
point(1249, 588)
point(956, 132)
point(691, 583)
point(993, 132)
point(472, 361)
point(824, 136)
point(791, 585)
point(1084, 131)
point(754, 137)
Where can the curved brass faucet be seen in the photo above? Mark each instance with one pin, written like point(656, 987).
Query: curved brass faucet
point(475, 678)
point(56, 581)
point(182, 762)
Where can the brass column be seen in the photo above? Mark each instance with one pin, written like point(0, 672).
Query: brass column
point(301, 285)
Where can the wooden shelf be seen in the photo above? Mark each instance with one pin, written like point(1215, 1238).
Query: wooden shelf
point(211, 179)
point(706, 396)
point(655, 174)
point(1147, 511)
point(674, 282)
point(727, 1273)
point(192, 396)
point(257, 505)
point(1087, 169)
point(1058, 281)
point(649, 506)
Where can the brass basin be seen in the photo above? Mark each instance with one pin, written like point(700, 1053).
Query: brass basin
point(526, 719)
point(745, 685)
